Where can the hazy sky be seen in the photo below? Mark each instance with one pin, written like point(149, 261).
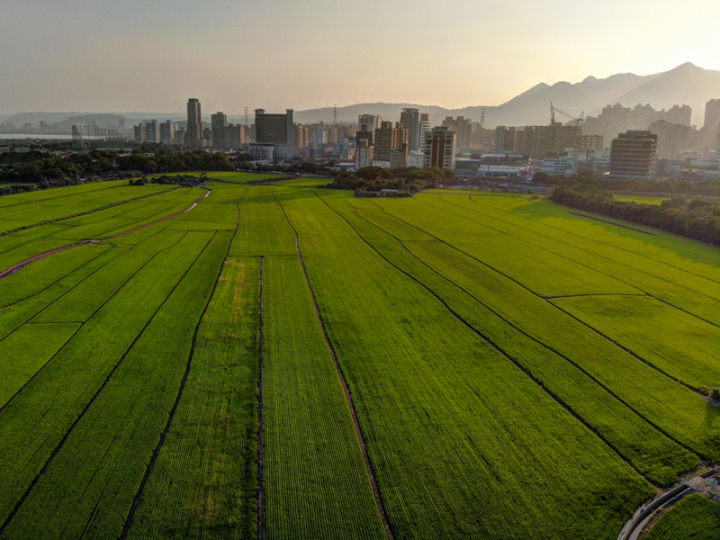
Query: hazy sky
point(151, 55)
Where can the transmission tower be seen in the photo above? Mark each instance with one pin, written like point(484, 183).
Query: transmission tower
point(335, 115)
point(246, 118)
point(482, 119)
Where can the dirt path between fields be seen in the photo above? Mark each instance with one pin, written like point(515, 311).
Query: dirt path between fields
point(19, 266)
point(261, 415)
point(346, 388)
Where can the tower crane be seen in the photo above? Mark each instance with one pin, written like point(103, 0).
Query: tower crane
point(578, 120)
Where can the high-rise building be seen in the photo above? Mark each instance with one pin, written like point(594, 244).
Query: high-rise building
point(368, 122)
point(139, 132)
point(712, 116)
point(234, 136)
point(301, 137)
point(425, 127)
point(388, 138)
point(319, 134)
point(167, 132)
point(278, 130)
point(411, 120)
point(462, 126)
point(218, 123)
point(363, 153)
point(439, 148)
point(504, 139)
point(672, 139)
point(152, 131)
point(194, 129)
point(679, 114)
point(632, 155)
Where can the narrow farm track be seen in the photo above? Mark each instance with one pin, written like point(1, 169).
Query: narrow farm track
point(346, 388)
point(19, 266)
point(171, 416)
point(93, 211)
point(565, 357)
point(261, 419)
point(90, 317)
point(496, 346)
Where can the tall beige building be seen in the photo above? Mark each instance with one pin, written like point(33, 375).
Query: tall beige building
point(439, 148)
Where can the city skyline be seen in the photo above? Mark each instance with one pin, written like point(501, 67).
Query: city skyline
point(241, 54)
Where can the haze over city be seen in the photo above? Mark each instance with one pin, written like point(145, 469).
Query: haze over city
point(150, 56)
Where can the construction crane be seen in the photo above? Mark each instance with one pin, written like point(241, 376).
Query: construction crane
point(578, 120)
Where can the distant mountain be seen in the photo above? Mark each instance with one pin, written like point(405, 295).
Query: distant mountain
point(685, 85)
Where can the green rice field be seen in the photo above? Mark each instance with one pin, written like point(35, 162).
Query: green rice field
point(283, 361)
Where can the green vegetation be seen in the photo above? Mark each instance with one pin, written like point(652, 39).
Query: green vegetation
point(515, 371)
point(695, 517)
point(698, 219)
point(408, 179)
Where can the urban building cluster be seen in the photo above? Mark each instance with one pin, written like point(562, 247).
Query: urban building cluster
point(620, 142)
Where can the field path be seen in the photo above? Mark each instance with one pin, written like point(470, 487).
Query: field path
point(22, 264)
point(346, 388)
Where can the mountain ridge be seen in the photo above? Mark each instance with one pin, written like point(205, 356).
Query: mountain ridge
point(686, 84)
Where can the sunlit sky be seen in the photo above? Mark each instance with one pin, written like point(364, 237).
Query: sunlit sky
point(151, 55)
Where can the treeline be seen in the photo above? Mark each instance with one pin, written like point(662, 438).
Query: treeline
point(409, 179)
point(698, 219)
point(61, 170)
point(633, 185)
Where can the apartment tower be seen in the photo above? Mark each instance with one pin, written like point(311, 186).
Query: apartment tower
point(194, 130)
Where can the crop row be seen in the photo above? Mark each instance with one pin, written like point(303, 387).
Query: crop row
point(205, 475)
point(58, 195)
point(28, 215)
point(690, 419)
point(17, 246)
point(654, 269)
point(462, 441)
point(316, 482)
point(54, 400)
point(638, 442)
